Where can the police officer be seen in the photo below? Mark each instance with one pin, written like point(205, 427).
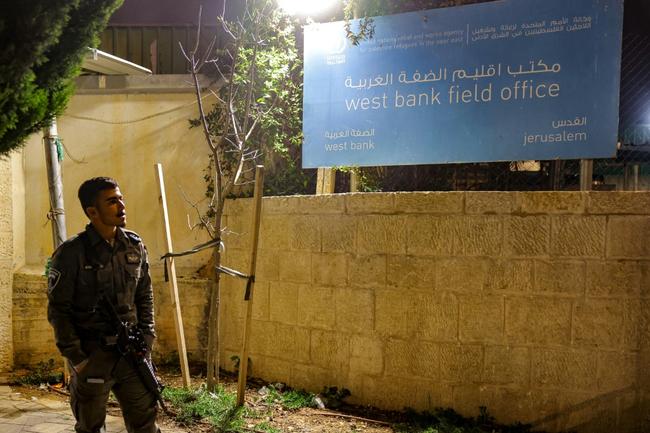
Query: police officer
point(104, 260)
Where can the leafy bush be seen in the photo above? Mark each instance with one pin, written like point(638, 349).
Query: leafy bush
point(44, 43)
point(44, 372)
point(293, 399)
point(290, 399)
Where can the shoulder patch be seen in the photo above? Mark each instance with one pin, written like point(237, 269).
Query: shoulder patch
point(53, 278)
point(133, 236)
point(132, 258)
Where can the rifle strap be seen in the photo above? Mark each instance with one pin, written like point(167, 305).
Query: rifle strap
point(93, 260)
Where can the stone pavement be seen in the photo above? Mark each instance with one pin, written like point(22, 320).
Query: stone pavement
point(19, 414)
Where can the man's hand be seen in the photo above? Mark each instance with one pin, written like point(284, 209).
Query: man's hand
point(79, 367)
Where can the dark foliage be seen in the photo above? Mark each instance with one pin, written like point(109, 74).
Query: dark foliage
point(43, 44)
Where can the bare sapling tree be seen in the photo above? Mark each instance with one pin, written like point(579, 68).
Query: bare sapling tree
point(256, 60)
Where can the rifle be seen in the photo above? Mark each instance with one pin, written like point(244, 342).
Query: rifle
point(133, 347)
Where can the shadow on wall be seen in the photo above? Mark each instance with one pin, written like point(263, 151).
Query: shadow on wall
point(626, 409)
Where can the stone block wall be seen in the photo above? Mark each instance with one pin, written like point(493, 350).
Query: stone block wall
point(32, 335)
point(6, 263)
point(536, 305)
point(33, 338)
point(193, 295)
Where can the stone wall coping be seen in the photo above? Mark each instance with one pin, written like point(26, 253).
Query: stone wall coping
point(458, 203)
point(128, 84)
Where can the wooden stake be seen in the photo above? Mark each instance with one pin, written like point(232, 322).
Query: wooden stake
point(354, 180)
point(257, 212)
point(325, 181)
point(172, 283)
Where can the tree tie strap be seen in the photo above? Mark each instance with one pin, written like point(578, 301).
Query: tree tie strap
point(250, 279)
point(209, 244)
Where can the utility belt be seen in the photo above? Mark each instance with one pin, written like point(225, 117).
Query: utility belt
point(108, 340)
point(107, 343)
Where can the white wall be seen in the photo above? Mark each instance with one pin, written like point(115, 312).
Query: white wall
point(120, 135)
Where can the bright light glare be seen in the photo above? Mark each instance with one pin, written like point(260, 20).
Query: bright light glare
point(305, 7)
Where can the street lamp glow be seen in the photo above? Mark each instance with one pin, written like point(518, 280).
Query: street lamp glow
point(305, 7)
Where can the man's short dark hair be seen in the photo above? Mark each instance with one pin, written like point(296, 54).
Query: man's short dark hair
point(89, 190)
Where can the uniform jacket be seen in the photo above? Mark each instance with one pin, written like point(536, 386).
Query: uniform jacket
point(82, 269)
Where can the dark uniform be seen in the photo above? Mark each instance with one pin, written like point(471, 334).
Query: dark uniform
point(83, 269)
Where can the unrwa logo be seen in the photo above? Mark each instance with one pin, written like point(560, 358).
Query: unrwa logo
point(335, 45)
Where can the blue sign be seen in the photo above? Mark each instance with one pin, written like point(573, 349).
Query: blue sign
point(501, 81)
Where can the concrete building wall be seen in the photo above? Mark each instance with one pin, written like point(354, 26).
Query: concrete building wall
point(18, 198)
point(122, 132)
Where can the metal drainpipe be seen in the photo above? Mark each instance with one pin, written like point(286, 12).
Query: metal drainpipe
point(55, 185)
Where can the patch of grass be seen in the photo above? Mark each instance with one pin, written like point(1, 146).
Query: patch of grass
point(290, 399)
point(218, 408)
point(44, 372)
point(293, 399)
point(265, 426)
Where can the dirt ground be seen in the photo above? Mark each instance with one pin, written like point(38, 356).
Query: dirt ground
point(305, 420)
